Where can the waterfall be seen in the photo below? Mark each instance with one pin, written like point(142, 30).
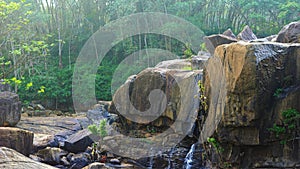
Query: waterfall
point(151, 161)
point(189, 157)
point(170, 156)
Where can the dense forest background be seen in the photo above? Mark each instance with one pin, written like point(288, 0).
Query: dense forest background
point(41, 39)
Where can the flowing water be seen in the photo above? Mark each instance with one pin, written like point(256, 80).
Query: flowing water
point(189, 158)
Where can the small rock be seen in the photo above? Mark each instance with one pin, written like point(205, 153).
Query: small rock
point(229, 33)
point(148, 135)
point(24, 115)
point(41, 141)
point(110, 155)
point(51, 155)
point(69, 156)
point(35, 158)
point(79, 141)
point(96, 166)
point(79, 160)
point(247, 34)
point(272, 38)
point(39, 107)
point(30, 108)
point(65, 161)
point(115, 161)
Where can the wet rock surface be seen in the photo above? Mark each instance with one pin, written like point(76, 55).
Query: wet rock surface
point(250, 74)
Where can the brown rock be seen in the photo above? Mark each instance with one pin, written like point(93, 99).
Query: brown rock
point(229, 33)
point(246, 34)
point(51, 155)
point(41, 141)
point(58, 128)
point(10, 109)
point(289, 33)
point(96, 165)
point(17, 139)
point(13, 160)
point(199, 61)
point(162, 88)
point(174, 64)
point(213, 41)
point(240, 82)
point(79, 141)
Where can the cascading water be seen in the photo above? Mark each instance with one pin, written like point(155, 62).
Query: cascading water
point(151, 161)
point(170, 156)
point(189, 157)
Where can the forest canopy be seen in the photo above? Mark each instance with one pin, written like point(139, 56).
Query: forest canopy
point(41, 39)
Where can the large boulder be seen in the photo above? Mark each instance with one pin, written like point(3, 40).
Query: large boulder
point(158, 107)
point(289, 33)
point(17, 139)
point(155, 96)
point(241, 83)
point(10, 109)
point(12, 159)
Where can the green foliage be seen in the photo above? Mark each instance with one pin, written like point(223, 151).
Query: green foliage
point(291, 118)
point(3, 65)
point(278, 92)
point(41, 54)
point(278, 130)
point(202, 98)
point(215, 144)
point(99, 130)
point(288, 130)
point(203, 47)
point(151, 129)
point(188, 51)
point(187, 68)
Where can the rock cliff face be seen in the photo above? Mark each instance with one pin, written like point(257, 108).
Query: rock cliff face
point(258, 82)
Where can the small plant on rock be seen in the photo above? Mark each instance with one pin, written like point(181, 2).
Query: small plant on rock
point(278, 92)
point(203, 98)
point(215, 144)
point(99, 130)
point(288, 130)
point(188, 51)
